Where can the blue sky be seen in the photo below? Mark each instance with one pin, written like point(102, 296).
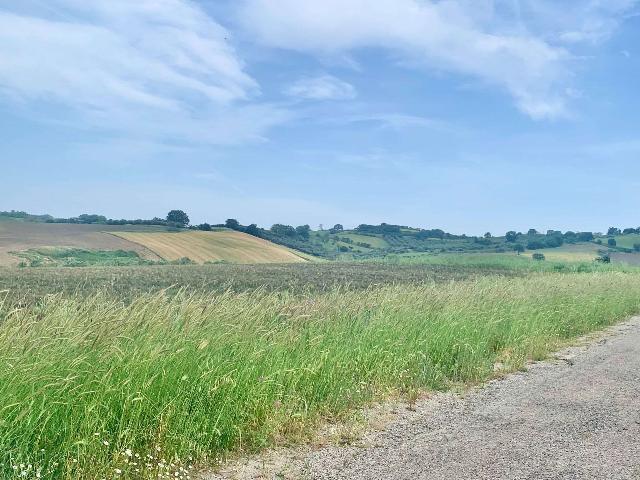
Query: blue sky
point(467, 115)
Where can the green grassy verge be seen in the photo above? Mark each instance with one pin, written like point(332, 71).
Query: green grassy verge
point(91, 386)
point(80, 257)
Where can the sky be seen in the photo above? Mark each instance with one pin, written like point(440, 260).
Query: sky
point(466, 115)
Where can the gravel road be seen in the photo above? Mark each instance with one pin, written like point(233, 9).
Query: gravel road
point(576, 416)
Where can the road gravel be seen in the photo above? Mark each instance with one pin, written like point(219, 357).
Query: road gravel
point(574, 416)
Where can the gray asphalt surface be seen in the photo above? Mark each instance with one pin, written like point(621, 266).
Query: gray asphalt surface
point(576, 416)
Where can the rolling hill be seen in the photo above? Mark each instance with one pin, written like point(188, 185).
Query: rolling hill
point(153, 243)
point(17, 236)
point(225, 245)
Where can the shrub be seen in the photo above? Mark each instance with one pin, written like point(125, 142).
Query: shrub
point(535, 245)
point(183, 261)
point(538, 256)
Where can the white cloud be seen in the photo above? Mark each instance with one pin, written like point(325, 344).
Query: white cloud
point(486, 40)
point(576, 21)
point(324, 87)
point(152, 67)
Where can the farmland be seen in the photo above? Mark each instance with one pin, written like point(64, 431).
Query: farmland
point(19, 236)
point(28, 285)
point(220, 246)
point(158, 385)
point(130, 367)
point(45, 244)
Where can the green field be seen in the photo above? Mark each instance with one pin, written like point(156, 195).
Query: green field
point(78, 257)
point(30, 284)
point(121, 365)
point(101, 371)
point(627, 241)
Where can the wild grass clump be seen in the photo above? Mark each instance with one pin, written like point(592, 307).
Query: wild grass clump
point(95, 388)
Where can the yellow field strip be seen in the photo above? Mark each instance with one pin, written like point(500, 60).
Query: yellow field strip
point(201, 247)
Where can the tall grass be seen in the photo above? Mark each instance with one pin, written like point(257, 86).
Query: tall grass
point(91, 386)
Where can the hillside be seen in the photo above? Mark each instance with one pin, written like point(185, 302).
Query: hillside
point(20, 240)
point(218, 246)
point(18, 236)
point(38, 240)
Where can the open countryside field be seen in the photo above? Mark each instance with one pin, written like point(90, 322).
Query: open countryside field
point(375, 242)
point(200, 247)
point(20, 240)
point(580, 252)
point(627, 241)
point(183, 380)
point(29, 285)
point(17, 236)
point(118, 364)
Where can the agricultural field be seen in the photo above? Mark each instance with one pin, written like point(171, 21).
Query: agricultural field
point(104, 383)
point(17, 236)
point(220, 246)
point(62, 244)
point(627, 241)
point(581, 252)
point(28, 285)
point(121, 365)
point(78, 257)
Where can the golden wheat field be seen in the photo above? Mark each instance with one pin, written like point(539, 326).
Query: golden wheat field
point(200, 247)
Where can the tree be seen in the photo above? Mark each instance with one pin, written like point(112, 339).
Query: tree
point(585, 236)
point(252, 230)
point(554, 241)
point(178, 217)
point(232, 223)
point(336, 228)
point(303, 231)
point(511, 236)
point(205, 227)
point(613, 231)
point(536, 244)
point(518, 248)
point(487, 235)
point(532, 231)
point(93, 218)
point(612, 242)
point(283, 230)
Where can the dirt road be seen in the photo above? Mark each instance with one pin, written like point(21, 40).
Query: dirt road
point(576, 416)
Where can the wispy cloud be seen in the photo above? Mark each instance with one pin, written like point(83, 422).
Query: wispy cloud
point(487, 40)
point(324, 87)
point(153, 68)
point(579, 21)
